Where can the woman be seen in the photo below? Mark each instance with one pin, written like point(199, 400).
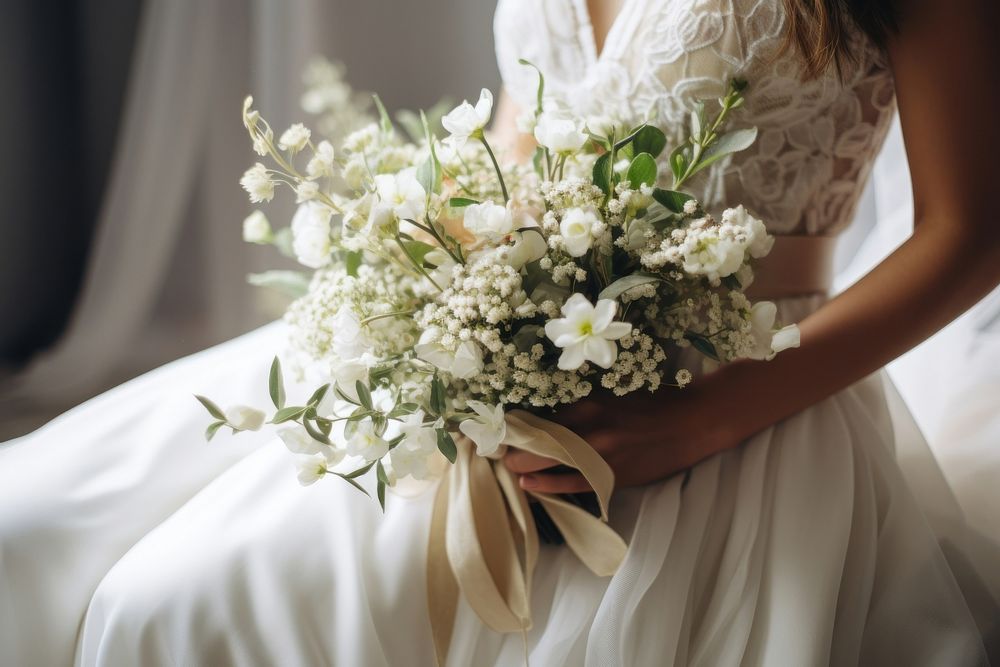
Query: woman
point(793, 538)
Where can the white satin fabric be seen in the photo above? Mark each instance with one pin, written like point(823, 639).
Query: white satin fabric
point(126, 539)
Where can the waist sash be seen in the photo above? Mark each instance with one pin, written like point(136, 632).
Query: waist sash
point(796, 266)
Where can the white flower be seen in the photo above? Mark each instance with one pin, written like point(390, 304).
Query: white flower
point(760, 242)
point(399, 195)
point(466, 121)
point(294, 138)
point(322, 163)
point(464, 362)
point(311, 468)
point(349, 339)
point(311, 234)
point(712, 255)
point(256, 228)
point(366, 443)
point(245, 418)
point(488, 221)
point(560, 133)
point(529, 246)
point(604, 125)
point(577, 229)
point(769, 342)
point(298, 441)
point(306, 191)
point(487, 429)
point(412, 462)
point(587, 332)
point(683, 377)
point(258, 184)
point(417, 435)
point(347, 373)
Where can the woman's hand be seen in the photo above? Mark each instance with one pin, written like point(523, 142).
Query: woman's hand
point(644, 437)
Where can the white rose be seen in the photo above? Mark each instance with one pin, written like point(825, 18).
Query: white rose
point(311, 234)
point(529, 246)
point(245, 418)
point(257, 229)
point(577, 229)
point(711, 256)
point(488, 221)
point(465, 121)
point(560, 133)
point(468, 360)
point(294, 138)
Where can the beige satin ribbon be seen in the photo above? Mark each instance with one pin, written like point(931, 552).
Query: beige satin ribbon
point(796, 266)
point(483, 541)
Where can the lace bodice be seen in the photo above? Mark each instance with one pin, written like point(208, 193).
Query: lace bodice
point(818, 138)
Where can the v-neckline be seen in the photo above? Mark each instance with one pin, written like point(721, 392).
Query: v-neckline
point(587, 27)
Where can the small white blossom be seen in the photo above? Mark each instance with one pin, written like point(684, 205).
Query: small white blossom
point(560, 133)
point(311, 234)
point(487, 428)
point(245, 418)
point(322, 163)
point(683, 377)
point(587, 332)
point(399, 195)
point(488, 221)
point(258, 184)
point(311, 468)
point(465, 121)
point(257, 229)
point(366, 443)
point(295, 138)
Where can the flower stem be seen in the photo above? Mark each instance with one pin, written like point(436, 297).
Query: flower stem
point(496, 166)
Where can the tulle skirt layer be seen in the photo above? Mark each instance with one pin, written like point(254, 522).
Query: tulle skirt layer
point(829, 538)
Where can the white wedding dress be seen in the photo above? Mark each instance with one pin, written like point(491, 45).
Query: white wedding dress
point(829, 538)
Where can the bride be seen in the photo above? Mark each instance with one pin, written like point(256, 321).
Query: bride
point(769, 517)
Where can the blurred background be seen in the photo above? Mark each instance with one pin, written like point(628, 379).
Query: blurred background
point(121, 210)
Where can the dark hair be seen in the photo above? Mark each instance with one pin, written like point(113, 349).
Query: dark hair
point(819, 30)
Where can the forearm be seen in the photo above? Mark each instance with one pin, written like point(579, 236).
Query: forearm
point(936, 275)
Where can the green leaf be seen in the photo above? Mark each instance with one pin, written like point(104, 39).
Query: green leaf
point(315, 433)
point(318, 395)
point(649, 139)
point(702, 344)
point(403, 409)
point(352, 262)
point(537, 161)
point(288, 414)
point(380, 472)
point(213, 428)
point(679, 159)
point(276, 385)
point(602, 173)
point(526, 337)
point(417, 250)
point(212, 408)
point(642, 171)
point(731, 282)
point(360, 471)
point(380, 493)
point(459, 202)
point(379, 424)
point(343, 395)
point(291, 283)
point(384, 123)
point(446, 445)
point(541, 83)
point(622, 285)
point(438, 402)
point(429, 173)
point(727, 144)
point(671, 200)
point(352, 483)
point(364, 395)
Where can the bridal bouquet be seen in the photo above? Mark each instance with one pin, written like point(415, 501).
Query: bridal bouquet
point(449, 288)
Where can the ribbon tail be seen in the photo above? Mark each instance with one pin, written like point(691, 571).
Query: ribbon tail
point(594, 542)
point(442, 587)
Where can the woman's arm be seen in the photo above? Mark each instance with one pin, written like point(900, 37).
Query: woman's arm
point(944, 59)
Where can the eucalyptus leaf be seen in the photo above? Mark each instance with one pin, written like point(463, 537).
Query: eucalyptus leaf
point(703, 345)
point(649, 139)
point(403, 409)
point(438, 403)
point(622, 285)
point(290, 283)
point(446, 445)
point(364, 395)
point(602, 173)
point(315, 433)
point(380, 493)
point(213, 428)
point(460, 202)
point(360, 471)
point(276, 384)
point(380, 472)
point(352, 262)
point(318, 395)
point(212, 408)
point(351, 481)
point(289, 413)
point(642, 171)
point(671, 200)
point(727, 144)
